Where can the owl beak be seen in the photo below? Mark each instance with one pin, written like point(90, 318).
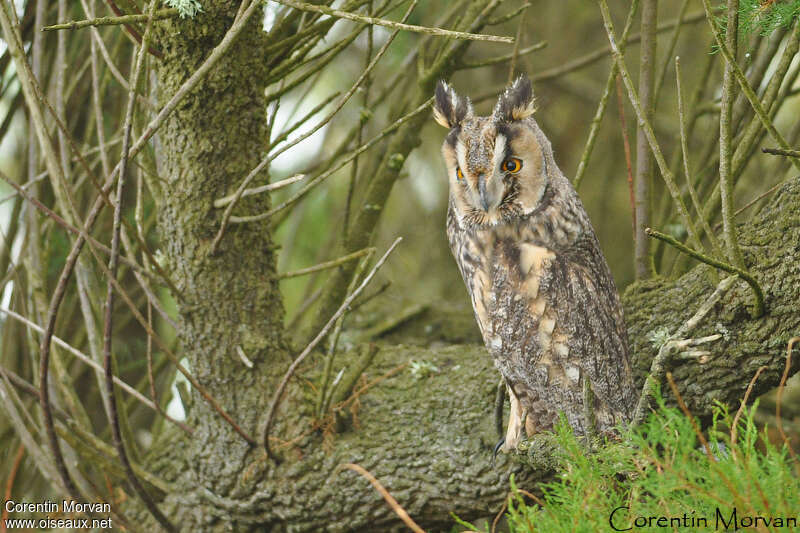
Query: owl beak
point(482, 192)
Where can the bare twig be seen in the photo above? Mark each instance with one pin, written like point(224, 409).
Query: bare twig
point(597, 55)
point(666, 173)
point(364, 117)
point(15, 48)
point(658, 367)
point(778, 151)
point(499, 514)
point(114, 420)
point(673, 41)
point(66, 272)
point(779, 396)
point(685, 152)
point(318, 179)
point(601, 106)
point(735, 423)
point(12, 475)
point(726, 138)
point(508, 16)
point(226, 216)
point(503, 58)
point(688, 414)
point(392, 24)
point(326, 265)
point(744, 84)
point(288, 131)
point(626, 144)
point(337, 328)
point(758, 294)
point(396, 507)
point(222, 202)
point(643, 176)
point(131, 31)
point(112, 21)
point(90, 362)
point(276, 398)
point(513, 65)
point(759, 197)
point(72, 229)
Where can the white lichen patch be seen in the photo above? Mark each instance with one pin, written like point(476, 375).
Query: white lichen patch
point(186, 8)
point(658, 337)
point(421, 369)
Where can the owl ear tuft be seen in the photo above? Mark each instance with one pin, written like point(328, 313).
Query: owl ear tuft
point(450, 109)
point(516, 102)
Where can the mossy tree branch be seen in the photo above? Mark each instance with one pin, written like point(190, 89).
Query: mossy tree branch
point(428, 438)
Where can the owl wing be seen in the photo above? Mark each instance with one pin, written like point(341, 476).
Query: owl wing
point(585, 301)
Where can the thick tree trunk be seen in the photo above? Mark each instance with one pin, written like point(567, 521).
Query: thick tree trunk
point(229, 299)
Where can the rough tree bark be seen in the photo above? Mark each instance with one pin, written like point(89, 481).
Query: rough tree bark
point(428, 438)
point(230, 298)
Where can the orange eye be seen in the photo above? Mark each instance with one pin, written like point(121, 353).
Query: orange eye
point(459, 174)
point(512, 164)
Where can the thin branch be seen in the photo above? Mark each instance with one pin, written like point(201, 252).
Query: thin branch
point(688, 414)
point(748, 91)
point(16, 49)
point(326, 265)
point(503, 58)
point(133, 34)
point(318, 179)
point(759, 197)
point(114, 420)
point(66, 272)
point(597, 55)
point(515, 54)
point(112, 21)
point(288, 131)
point(685, 151)
point(392, 24)
point(396, 507)
point(735, 423)
point(69, 227)
point(222, 202)
point(508, 16)
point(778, 151)
point(601, 106)
point(732, 249)
point(779, 396)
point(90, 362)
point(226, 216)
point(626, 145)
point(670, 50)
point(643, 176)
point(364, 116)
point(12, 475)
point(278, 396)
point(758, 304)
point(337, 328)
point(666, 173)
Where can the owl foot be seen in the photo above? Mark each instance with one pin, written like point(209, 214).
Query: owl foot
point(516, 421)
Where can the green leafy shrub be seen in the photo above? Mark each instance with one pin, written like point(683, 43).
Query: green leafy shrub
point(765, 16)
point(660, 477)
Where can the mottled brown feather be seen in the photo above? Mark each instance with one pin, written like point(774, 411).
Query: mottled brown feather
point(542, 292)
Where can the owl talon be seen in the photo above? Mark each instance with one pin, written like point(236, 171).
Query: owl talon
point(497, 449)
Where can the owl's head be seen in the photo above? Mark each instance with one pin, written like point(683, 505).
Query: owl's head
point(495, 164)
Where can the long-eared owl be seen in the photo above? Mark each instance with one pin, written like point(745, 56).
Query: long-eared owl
point(542, 292)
